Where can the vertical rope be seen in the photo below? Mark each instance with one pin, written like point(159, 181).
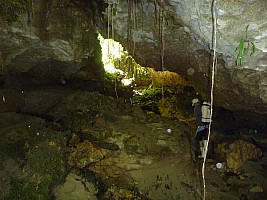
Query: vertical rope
point(214, 65)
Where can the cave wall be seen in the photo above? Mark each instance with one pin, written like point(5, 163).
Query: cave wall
point(59, 38)
point(180, 32)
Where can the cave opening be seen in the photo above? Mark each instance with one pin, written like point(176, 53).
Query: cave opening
point(72, 129)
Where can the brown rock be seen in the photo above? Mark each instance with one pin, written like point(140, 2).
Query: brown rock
point(84, 154)
point(239, 152)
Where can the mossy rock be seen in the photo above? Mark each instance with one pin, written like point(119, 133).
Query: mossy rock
point(37, 187)
point(45, 164)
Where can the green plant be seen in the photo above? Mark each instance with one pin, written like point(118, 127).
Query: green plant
point(244, 46)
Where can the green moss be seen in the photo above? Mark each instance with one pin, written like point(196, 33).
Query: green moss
point(44, 156)
point(166, 150)
point(47, 158)
point(38, 187)
point(108, 117)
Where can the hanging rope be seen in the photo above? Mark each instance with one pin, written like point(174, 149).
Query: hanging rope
point(214, 65)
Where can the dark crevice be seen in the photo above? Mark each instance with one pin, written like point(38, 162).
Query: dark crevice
point(46, 117)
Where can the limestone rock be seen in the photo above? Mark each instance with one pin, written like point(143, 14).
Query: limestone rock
point(172, 107)
point(256, 189)
point(187, 43)
point(74, 189)
point(182, 43)
point(84, 154)
point(238, 152)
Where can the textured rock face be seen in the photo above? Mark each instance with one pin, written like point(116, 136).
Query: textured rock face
point(58, 41)
point(183, 37)
point(165, 34)
point(238, 152)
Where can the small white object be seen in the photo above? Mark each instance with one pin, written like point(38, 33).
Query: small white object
point(37, 133)
point(22, 91)
point(219, 165)
point(169, 130)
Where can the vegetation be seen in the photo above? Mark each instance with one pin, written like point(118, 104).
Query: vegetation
point(43, 164)
point(244, 46)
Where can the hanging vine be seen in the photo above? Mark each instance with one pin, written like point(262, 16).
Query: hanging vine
point(108, 29)
point(134, 22)
point(156, 11)
point(129, 26)
point(161, 24)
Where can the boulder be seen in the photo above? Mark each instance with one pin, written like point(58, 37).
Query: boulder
point(237, 153)
point(85, 154)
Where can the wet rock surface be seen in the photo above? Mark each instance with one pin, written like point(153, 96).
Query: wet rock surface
point(98, 147)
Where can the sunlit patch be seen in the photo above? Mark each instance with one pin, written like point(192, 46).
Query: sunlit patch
point(119, 63)
point(111, 50)
point(138, 92)
point(127, 81)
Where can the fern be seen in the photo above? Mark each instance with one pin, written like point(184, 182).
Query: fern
point(244, 47)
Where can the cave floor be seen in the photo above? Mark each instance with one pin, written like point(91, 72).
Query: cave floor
point(97, 147)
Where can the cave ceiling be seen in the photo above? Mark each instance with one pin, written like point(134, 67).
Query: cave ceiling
point(169, 35)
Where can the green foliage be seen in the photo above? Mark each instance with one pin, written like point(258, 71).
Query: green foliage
point(244, 47)
point(148, 98)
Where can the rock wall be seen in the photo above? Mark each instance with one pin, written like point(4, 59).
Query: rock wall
point(58, 39)
point(164, 34)
point(180, 32)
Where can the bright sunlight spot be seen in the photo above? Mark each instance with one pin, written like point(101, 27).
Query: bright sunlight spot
point(118, 62)
point(126, 81)
point(111, 50)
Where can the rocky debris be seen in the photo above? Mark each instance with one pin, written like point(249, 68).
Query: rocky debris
point(116, 153)
point(84, 154)
point(256, 189)
point(237, 153)
point(241, 151)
